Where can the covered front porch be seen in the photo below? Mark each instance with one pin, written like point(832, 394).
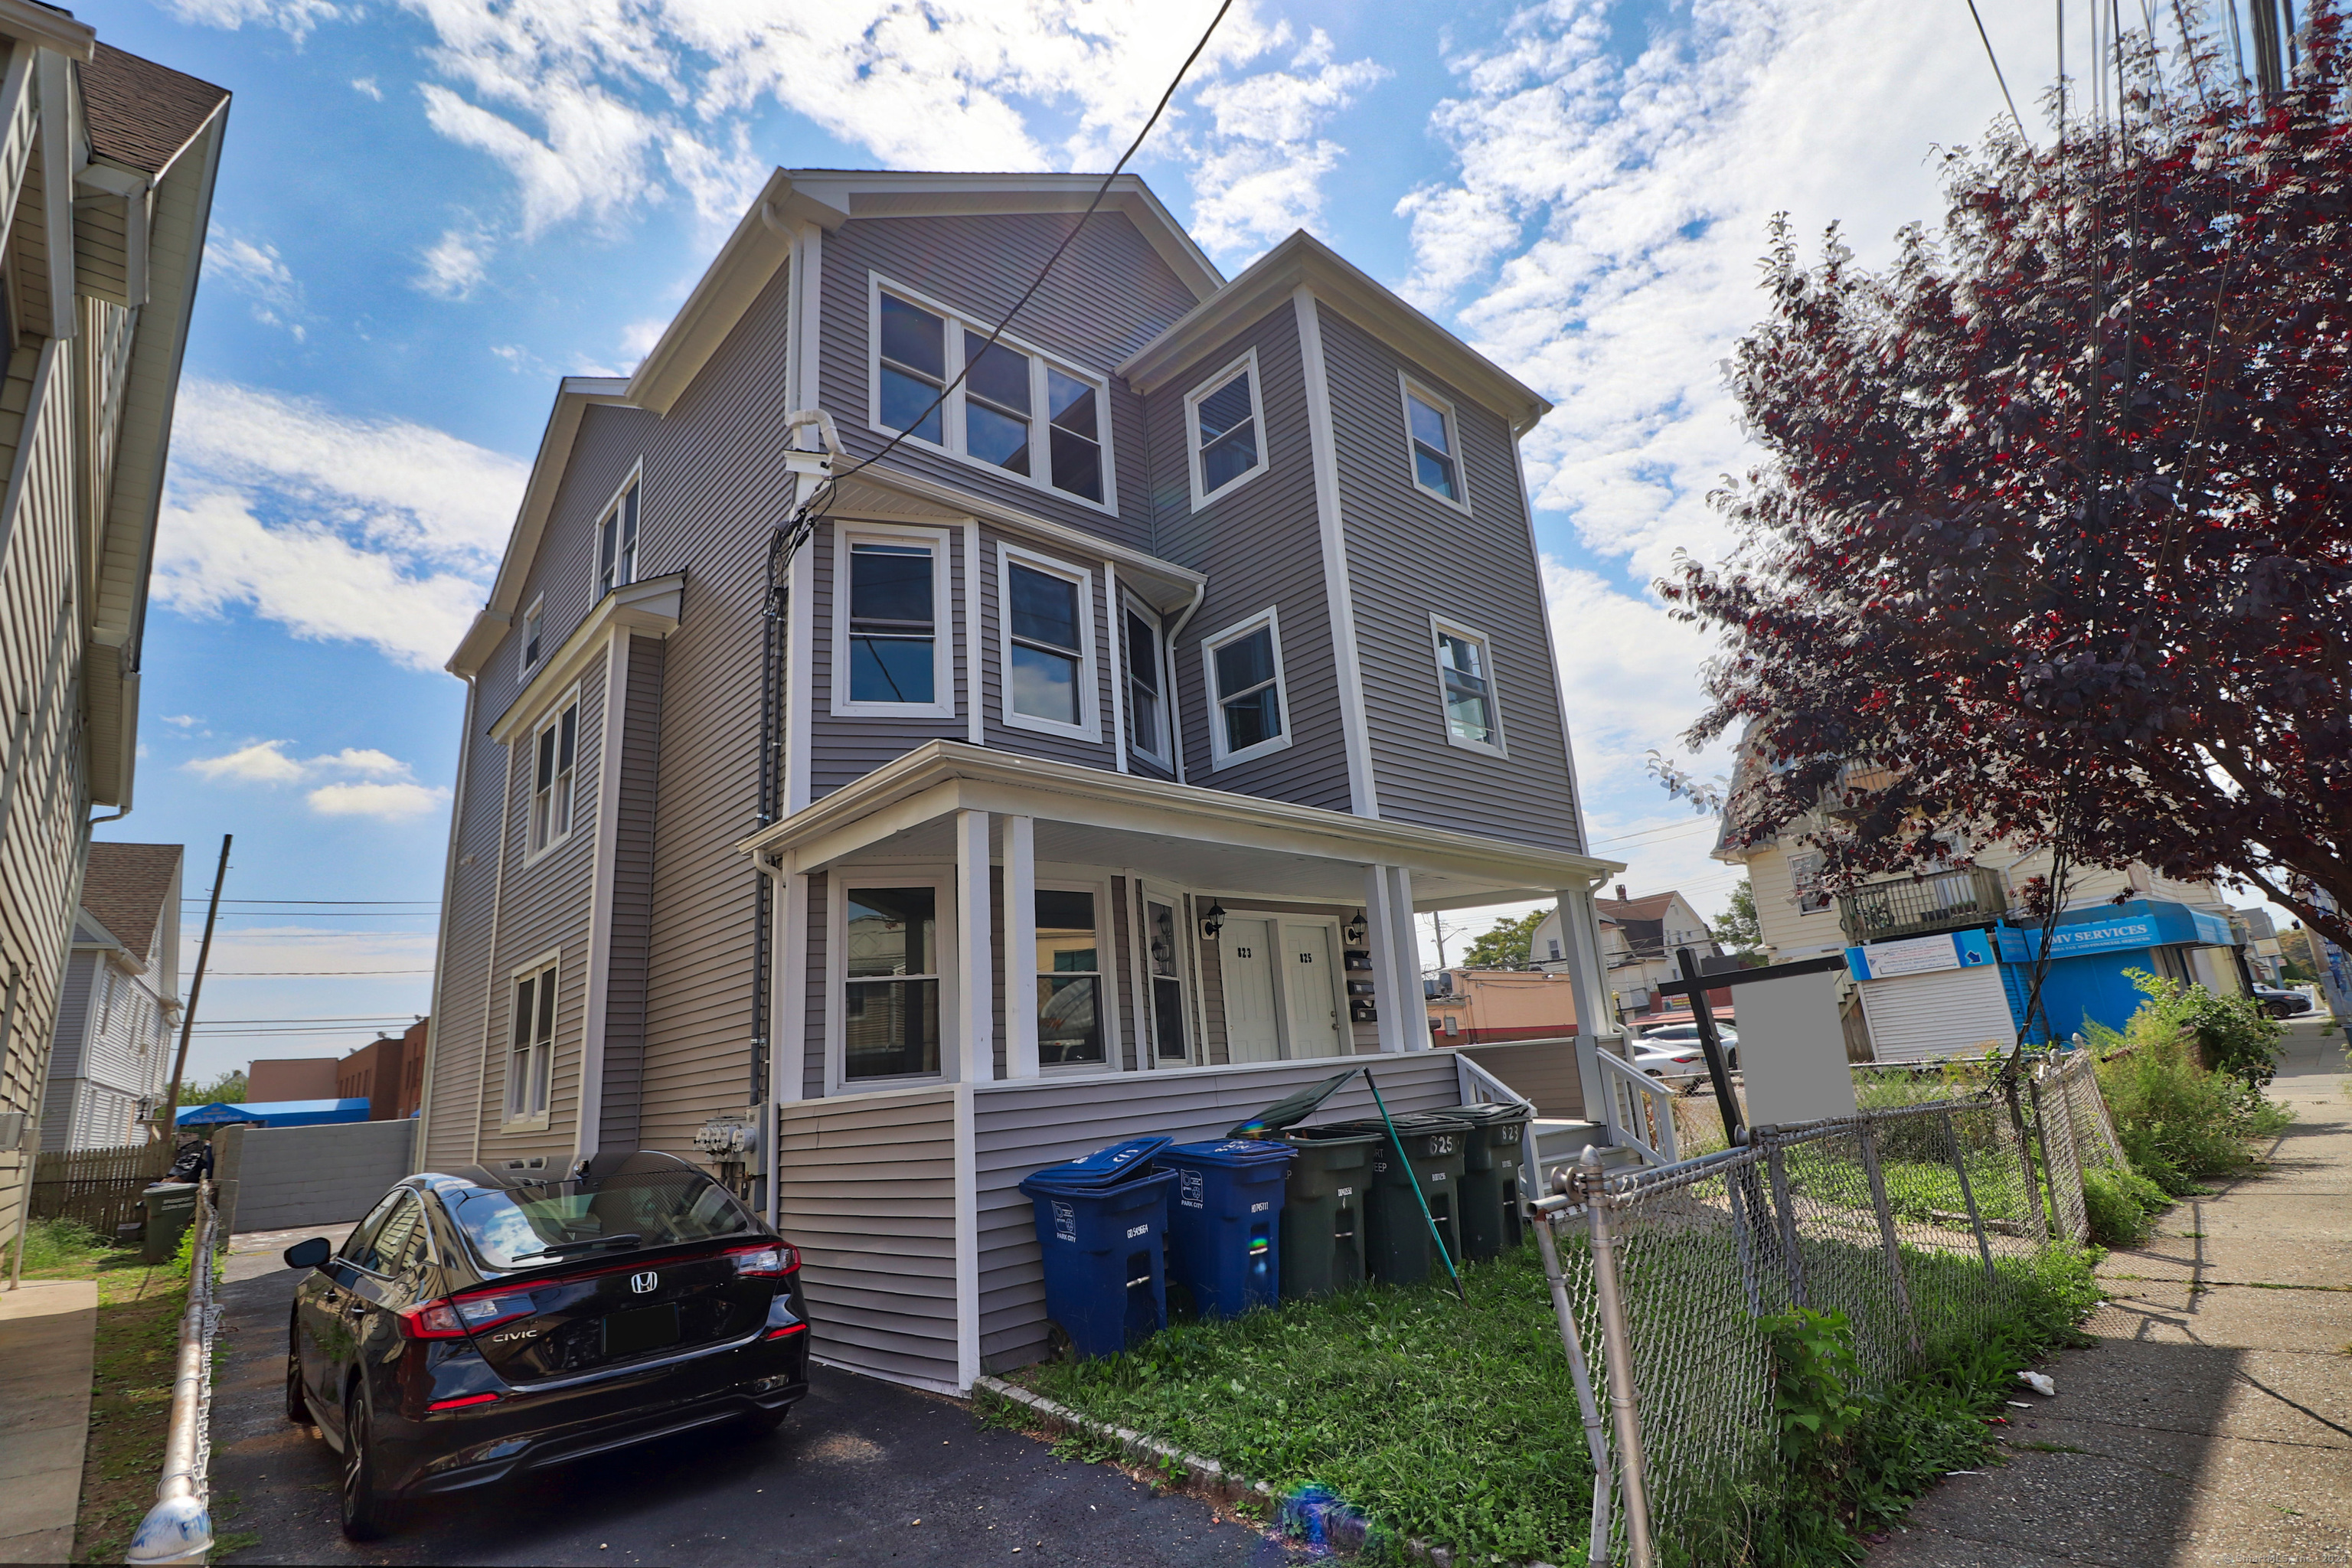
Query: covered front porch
point(987, 963)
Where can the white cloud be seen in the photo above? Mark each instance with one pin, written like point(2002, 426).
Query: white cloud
point(1260, 173)
point(638, 338)
point(295, 17)
point(256, 272)
point(456, 264)
point(386, 802)
point(367, 761)
point(184, 720)
point(382, 530)
point(264, 762)
point(367, 85)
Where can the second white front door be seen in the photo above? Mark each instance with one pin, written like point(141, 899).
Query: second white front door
point(1310, 996)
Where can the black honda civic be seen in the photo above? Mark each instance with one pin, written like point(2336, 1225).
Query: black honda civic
point(474, 1325)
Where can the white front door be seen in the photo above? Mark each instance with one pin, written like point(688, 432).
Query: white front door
point(1310, 994)
point(1245, 959)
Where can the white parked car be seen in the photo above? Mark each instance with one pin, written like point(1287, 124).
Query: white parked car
point(1679, 1037)
point(1675, 1066)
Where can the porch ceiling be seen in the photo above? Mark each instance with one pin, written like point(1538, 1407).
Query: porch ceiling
point(1198, 839)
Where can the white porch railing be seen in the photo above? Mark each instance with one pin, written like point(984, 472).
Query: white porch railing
point(1638, 1109)
point(1478, 1084)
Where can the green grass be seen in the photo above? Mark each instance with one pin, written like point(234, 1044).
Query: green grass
point(1458, 1425)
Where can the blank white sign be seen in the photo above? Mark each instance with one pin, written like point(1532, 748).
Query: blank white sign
point(1793, 1050)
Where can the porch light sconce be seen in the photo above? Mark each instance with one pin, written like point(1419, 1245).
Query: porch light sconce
point(1356, 929)
point(1212, 923)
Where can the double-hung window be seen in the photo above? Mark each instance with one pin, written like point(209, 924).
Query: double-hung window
point(1013, 409)
point(616, 545)
point(1466, 687)
point(532, 1056)
point(533, 621)
point(1048, 645)
point(1161, 933)
point(891, 983)
point(1805, 882)
point(1245, 671)
point(891, 648)
point(555, 755)
point(1433, 446)
point(1224, 427)
point(1147, 704)
point(1069, 980)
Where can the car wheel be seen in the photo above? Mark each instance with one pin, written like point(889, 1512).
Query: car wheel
point(297, 1409)
point(2277, 1009)
point(367, 1513)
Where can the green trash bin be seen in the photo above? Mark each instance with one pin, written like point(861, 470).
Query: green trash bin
point(1323, 1210)
point(1489, 1207)
point(1398, 1248)
point(170, 1208)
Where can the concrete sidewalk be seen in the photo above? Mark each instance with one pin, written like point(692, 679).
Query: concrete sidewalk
point(48, 1331)
point(2212, 1423)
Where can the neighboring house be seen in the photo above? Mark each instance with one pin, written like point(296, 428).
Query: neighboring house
point(387, 1072)
point(1964, 994)
point(1116, 724)
point(274, 1079)
point(1488, 1006)
point(107, 164)
point(1639, 940)
point(110, 1058)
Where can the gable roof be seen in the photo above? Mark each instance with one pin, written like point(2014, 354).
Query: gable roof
point(142, 115)
point(125, 889)
point(1347, 289)
point(1648, 907)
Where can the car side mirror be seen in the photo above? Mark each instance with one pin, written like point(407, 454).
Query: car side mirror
point(309, 1254)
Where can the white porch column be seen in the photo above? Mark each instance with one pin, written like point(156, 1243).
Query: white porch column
point(1388, 999)
point(972, 1037)
point(1020, 947)
point(1580, 930)
point(1414, 1022)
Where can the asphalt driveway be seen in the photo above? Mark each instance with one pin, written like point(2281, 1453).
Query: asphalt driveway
point(864, 1472)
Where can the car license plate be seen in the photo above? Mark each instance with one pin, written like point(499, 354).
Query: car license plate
point(645, 1329)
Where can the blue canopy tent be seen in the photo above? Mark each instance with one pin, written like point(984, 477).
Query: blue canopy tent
point(275, 1113)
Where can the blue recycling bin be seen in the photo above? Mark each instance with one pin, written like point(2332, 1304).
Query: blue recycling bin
point(1101, 1226)
point(1225, 1221)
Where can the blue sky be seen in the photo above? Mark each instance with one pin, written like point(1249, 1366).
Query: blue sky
point(428, 210)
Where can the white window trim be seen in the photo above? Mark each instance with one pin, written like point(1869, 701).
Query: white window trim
point(952, 412)
point(611, 505)
point(1219, 757)
point(1248, 362)
point(1077, 879)
point(943, 622)
point(1087, 728)
point(514, 1120)
point(535, 614)
point(1166, 756)
point(1442, 623)
point(941, 880)
point(1407, 390)
point(554, 715)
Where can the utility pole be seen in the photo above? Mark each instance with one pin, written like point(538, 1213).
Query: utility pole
point(196, 989)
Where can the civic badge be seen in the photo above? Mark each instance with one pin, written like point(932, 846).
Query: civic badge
point(644, 1283)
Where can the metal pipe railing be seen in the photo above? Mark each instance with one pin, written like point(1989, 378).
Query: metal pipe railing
point(179, 1528)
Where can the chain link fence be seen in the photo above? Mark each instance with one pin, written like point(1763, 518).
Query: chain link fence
point(1915, 1218)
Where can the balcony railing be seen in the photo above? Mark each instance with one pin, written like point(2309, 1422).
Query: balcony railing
point(1947, 901)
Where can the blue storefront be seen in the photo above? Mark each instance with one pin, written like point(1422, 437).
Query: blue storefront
point(1958, 993)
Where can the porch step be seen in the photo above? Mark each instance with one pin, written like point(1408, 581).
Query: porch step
point(1559, 1142)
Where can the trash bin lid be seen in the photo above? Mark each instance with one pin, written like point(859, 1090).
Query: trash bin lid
point(1335, 1133)
point(1139, 1189)
point(1231, 1152)
point(1485, 1111)
point(1106, 1167)
point(1293, 1110)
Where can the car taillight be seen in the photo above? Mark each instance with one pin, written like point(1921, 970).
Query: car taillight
point(788, 1330)
point(771, 1260)
point(462, 1401)
point(1691, 1058)
point(458, 1316)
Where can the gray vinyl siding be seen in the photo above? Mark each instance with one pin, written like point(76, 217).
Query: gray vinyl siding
point(1099, 753)
point(632, 898)
point(1543, 1070)
point(545, 909)
point(1260, 544)
point(816, 1001)
point(1209, 1006)
point(843, 749)
point(1107, 297)
point(866, 1191)
point(460, 1026)
point(1411, 555)
point(1020, 1127)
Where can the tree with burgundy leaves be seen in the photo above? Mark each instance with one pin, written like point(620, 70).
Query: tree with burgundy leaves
point(2052, 540)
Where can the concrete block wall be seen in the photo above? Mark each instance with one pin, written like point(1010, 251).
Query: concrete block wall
point(279, 1178)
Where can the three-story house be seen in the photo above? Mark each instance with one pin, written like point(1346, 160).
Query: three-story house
point(1080, 775)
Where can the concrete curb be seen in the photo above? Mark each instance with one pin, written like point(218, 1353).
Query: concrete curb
point(1329, 1521)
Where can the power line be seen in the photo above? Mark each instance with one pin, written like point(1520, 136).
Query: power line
point(1997, 75)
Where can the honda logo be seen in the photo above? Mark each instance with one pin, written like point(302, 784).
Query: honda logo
point(644, 1283)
